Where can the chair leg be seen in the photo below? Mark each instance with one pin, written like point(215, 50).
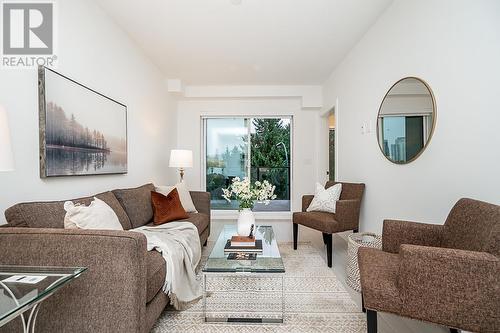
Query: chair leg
point(324, 238)
point(371, 321)
point(295, 234)
point(328, 242)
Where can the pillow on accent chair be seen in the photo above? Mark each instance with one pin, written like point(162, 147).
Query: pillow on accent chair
point(167, 208)
point(97, 215)
point(325, 200)
point(184, 195)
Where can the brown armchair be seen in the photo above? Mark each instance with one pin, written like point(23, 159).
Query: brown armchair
point(345, 218)
point(445, 274)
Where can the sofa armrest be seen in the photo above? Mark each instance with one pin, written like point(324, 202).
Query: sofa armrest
point(451, 287)
point(396, 232)
point(201, 201)
point(306, 201)
point(109, 297)
point(347, 213)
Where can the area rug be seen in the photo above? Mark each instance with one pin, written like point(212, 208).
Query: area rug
point(315, 300)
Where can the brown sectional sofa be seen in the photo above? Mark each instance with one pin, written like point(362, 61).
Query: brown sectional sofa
point(121, 290)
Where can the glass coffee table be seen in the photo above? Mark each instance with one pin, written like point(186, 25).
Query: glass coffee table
point(244, 291)
point(23, 288)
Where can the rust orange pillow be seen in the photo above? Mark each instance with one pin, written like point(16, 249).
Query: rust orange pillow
point(167, 208)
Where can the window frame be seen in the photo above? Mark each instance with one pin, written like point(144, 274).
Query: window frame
point(233, 213)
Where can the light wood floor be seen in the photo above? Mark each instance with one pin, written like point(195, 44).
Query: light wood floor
point(387, 323)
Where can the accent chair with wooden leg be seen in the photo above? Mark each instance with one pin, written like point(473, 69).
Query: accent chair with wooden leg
point(346, 215)
point(444, 274)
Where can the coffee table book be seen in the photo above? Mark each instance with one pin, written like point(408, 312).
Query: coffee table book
point(243, 241)
point(242, 256)
point(255, 249)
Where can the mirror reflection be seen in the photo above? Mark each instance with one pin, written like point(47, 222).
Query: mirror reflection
point(406, 120)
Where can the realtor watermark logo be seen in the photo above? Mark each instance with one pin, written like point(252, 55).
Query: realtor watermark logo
point(28, 34)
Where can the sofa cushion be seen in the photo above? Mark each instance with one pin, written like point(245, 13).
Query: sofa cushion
point(379, 279)
point(200, 220)
point(156, 271)
point(50, 214)
point(324, 222)
point(137, 203)
point(201, 201)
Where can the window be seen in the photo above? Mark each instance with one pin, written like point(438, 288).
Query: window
point(404, 136)
point(255, 147)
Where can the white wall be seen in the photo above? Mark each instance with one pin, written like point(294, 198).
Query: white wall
point(95, 52)
point(455, 47)
point(310, 95)
point(304, 154)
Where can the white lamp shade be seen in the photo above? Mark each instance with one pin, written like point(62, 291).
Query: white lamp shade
point(180, 158)
point(6, 158)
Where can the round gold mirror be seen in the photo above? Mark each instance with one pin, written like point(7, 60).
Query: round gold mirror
point(406, 120)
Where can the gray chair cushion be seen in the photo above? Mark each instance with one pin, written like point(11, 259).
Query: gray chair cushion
point(50, 214)
point(137, 203)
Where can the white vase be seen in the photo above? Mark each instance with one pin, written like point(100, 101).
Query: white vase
point(245, 221)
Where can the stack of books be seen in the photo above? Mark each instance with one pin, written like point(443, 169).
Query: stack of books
point(243, 244)
point(243, 241)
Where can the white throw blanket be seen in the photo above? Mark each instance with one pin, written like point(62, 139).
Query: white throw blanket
point(179, 244)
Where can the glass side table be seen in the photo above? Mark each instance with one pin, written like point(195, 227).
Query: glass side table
point(23, 288)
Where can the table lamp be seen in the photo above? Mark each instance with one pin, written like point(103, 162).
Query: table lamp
point(180, 158)
point(6, 158)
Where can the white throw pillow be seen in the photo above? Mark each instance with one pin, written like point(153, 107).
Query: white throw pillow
point(97, 215)
point(325, 200)
point(184, 195)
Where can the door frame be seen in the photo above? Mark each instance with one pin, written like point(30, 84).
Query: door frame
point(324, 139)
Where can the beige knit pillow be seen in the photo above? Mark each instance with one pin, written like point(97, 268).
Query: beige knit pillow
point(97, 215)
point(325, 200)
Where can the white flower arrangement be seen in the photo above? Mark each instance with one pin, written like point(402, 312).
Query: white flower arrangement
point(247, 194)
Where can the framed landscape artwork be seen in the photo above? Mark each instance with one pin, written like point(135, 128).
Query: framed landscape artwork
point(82, 132)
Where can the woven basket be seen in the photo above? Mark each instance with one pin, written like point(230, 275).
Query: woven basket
point(355, 241)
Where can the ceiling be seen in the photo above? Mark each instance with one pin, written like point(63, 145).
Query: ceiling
point(212, 42)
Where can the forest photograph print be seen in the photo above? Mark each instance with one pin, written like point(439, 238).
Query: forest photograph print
point(82, 132)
